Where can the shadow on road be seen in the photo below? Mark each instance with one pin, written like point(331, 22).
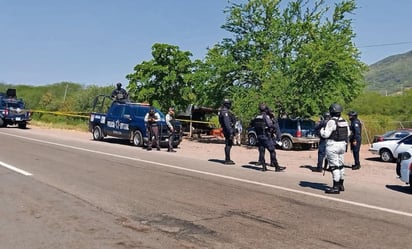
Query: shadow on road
point(374, 159)
point(254, 167)
point(314, 185)
point(402, 189)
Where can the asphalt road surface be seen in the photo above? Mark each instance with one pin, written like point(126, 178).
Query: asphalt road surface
point(58, 190)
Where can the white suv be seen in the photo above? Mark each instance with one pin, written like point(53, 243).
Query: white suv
point(404, 167)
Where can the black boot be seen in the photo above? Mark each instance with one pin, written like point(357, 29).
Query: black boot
point(334, 189)
point(264, 168)
point(356, 167)
point(277, 167)
point(341, 187)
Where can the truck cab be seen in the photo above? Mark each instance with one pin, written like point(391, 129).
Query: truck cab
point(13, 110)
point(125, 120)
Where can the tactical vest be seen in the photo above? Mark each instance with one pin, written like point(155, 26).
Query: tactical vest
point(152, 118)
point(341, 132)
point(260, 125)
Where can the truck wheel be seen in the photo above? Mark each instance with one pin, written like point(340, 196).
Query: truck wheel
point(287, 143)
point(386, 155)
point(22, 125)
point(97, 133)
point(1, 122)
point(137, 138)
point(252, 140)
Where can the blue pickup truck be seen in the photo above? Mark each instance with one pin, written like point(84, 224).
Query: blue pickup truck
point(13, 110)
point(125, 120)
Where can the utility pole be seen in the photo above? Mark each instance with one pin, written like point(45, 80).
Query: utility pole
point(65, 93)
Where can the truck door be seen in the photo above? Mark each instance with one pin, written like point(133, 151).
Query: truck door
point(125, 119)
point(113, 120)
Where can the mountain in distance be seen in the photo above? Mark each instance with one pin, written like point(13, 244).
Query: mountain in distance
point(391, 75)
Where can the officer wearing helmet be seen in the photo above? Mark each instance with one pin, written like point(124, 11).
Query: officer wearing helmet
point(119, 93)
point(265, 127)
point(322, 143)
point(355, 137)
point(227, 122)
point(336, 132)
point(151, 119)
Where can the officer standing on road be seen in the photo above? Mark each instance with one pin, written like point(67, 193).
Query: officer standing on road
point(265, 127)
point(119, 93)
point(227, 122)
point(322, 143)
point(238, 132)
point(355, 138)
point(171, 130)
point(151, 118)
point(336, 133)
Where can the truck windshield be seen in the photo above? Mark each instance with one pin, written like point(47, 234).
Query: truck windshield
point(13, 104)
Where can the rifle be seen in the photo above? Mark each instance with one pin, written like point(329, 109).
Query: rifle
point(325, 166)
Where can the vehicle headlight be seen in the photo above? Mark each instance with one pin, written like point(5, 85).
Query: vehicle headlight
point(405, 156)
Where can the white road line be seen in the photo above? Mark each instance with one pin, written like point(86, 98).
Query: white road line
point(20, 171)
point(224, 176)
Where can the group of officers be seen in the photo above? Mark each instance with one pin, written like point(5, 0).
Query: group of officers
point(334, 131)
point(151, 119)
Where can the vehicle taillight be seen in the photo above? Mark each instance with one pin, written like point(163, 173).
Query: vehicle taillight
point(410, 167)
point(298, 133)
point(380, 139)
point(6, 112)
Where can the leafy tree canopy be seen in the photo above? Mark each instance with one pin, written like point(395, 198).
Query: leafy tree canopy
point(165, 80)
point(298, 59)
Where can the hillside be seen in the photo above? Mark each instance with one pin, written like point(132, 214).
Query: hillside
point(390, 75)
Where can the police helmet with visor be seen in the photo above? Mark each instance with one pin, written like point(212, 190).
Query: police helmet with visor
point(335, 110)
point(227, 103)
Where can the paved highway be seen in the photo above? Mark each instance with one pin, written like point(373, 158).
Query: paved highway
point(62, 191)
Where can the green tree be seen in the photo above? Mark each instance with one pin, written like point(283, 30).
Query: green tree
point(296, 58)
point(165, 80)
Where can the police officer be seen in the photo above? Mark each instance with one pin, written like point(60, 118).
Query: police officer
point(119, 93)
point(265, 127)
point(336, 133)
point(227, 122)
point(322, 142)
point(151, 118)
point(355, 138)
point(169, 117)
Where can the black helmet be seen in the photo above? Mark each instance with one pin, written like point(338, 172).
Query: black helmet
point(335, 109)
point(353, 113)
point(263, 107)
point(119, 84)
point(227, 103)
point(326, 115)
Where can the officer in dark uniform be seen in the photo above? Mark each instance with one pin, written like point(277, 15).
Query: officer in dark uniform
point(265, 127)
point(355, 138)
point(119, 93)
point(322, 143)
point(336, 133)
point(227, 122)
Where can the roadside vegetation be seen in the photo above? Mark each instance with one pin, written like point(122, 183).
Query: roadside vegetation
point(298, 57)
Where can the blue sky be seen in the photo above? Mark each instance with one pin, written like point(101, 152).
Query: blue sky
point(100, 41)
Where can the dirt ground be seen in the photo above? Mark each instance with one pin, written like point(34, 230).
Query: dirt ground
point(210, 148)
point(303, 162)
